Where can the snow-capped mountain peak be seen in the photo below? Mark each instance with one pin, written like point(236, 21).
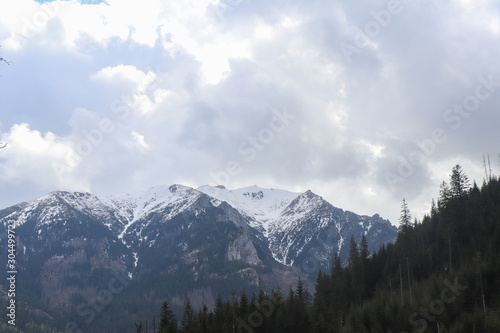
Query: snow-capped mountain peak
point(131, 208)
point(261, 205)
point(165, 234)
point(135, 205)
point(286, 221)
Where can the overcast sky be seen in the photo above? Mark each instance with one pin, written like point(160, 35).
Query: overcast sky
point(364, 104)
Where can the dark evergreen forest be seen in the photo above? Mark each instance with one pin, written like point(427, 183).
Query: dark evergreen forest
point(441, 275)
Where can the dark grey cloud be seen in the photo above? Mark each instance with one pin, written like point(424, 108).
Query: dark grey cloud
point(253, 92)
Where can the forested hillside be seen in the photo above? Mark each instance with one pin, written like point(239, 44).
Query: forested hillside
point(441, 275)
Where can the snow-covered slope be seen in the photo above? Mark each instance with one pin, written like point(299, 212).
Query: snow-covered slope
point(131, 208)
point(116, 212)
point(58, 205)
point(280, 215)
point(262, 206)
point(176, 240)
point(294, 224)
point(291, 224)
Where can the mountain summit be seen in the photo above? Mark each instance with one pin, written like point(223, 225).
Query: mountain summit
point(176, 241)
point(290, 223)
point(295, 223)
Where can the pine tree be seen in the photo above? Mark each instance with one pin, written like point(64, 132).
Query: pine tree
point(405, 217)
point(365, 270)
point(444, 195)
point(336, 266)
point(219, 315)
point(188, 321)
point(301, 308)
point(355, 271)
point(353, 252)
point(291, 297)
point(203, 319)
point(434, 210)
point(364, 253)
point(167, 320)
point(277, 317)
point(459, 183)
point(303, 296)
point(244, 306)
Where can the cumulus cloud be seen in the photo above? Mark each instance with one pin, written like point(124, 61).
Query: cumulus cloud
point(32, 158)
point(364, 105)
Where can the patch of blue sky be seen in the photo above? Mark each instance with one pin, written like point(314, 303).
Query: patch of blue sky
point(85, 2)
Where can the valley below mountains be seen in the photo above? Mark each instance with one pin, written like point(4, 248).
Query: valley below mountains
point(90, 261)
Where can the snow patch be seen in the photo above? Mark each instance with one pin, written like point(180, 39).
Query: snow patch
point(261, 206)
point(136, 259)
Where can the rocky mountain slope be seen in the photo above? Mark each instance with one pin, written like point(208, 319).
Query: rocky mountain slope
point(169, 242)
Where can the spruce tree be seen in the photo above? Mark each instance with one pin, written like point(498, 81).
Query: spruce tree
point(167, 320)
point(219, 315)
point(244, 306)
point(353, 252)
point(188, 321)
point(301, 308)
point(364, 253)
point(405, 217)
point(459, 183)
point(355, 270)
point(303, 296)
point(203, 320)
point(444, 195)
point(336, 266)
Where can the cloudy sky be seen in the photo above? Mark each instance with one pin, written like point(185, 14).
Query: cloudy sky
point(364, 104)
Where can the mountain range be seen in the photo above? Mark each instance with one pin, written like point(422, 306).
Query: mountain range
point(169, 242)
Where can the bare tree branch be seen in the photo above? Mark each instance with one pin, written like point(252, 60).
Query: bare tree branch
point(2, 59)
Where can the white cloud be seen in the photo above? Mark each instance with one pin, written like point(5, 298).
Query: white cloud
point(33, 158)
point(144, 94)
point(126, 72)
point(185, 83)
point(141, 142)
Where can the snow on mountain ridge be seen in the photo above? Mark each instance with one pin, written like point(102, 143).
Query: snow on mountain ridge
point(133, 207)
point(283, 231)
point(124, 209)
point(137, 204)
point(261, 206)
point(280, 215)
point(287, 220)
point(54, 205)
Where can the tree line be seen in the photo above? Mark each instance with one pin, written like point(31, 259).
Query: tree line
point(440, 275)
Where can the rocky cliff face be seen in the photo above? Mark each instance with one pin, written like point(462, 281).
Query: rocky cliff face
point(242, 248)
